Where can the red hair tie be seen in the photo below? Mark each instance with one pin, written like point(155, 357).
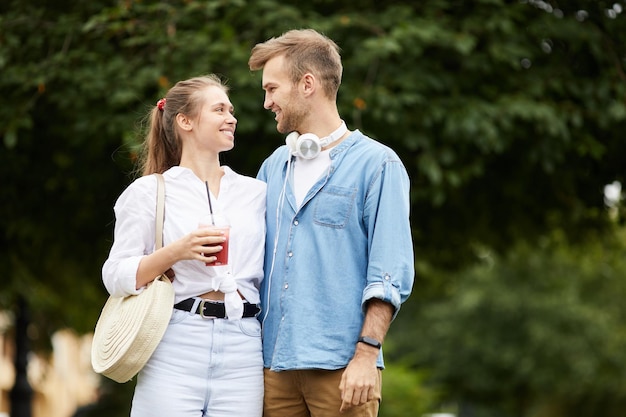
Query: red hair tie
point(161, 104)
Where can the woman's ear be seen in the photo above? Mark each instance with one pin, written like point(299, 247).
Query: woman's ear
point(183, 122)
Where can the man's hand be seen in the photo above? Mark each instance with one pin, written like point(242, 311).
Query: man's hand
point(360, 379)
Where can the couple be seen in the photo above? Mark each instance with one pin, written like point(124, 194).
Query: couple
point(320, 255)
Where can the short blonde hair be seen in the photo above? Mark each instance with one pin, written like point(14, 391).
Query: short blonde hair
point(304, 50)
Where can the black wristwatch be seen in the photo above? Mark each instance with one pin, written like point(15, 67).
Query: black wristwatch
point(370, 341)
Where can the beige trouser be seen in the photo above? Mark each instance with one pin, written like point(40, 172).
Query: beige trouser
point(311, 393)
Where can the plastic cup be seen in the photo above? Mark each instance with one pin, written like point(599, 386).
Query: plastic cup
point(222, 225)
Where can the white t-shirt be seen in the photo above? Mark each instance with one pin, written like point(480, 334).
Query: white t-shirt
point(306, 172)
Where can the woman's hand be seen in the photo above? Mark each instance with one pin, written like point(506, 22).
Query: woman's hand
point(199, 245)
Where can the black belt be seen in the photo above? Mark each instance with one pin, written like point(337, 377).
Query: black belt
point(215, 309)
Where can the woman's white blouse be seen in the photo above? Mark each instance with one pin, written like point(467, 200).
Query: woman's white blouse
point(241, 200)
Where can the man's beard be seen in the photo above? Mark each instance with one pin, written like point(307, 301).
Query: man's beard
point(293, 115)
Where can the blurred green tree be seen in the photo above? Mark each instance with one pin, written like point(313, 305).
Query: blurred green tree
point(539, 332)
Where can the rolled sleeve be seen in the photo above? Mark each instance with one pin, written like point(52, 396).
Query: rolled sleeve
point(385, 291)
point(391, 263)
point(120, 277)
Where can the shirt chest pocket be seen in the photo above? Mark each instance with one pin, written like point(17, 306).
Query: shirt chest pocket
point(333, 206)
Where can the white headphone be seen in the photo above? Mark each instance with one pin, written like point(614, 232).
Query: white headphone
point(308, 145)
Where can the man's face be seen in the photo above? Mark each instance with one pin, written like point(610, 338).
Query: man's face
point(282, 97)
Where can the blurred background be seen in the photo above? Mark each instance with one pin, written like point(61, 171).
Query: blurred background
point(510, 117)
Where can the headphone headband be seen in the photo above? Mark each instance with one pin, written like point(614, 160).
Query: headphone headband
point(341, 130)
point(308, 145)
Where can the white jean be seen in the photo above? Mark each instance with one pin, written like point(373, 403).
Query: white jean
point(203, 368)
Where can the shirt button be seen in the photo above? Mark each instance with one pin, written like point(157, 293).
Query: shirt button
point(290, 254)
point(387, 277)
point(295, 222)
point(286, 286)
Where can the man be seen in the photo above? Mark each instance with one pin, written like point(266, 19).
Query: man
point(339, 254)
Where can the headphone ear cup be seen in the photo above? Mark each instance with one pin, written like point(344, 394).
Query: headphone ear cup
point(291, 140)
point(308, 146)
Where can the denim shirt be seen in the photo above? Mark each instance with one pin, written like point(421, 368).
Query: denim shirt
point(348, 242)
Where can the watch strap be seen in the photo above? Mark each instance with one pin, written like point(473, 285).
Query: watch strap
point(370, 341)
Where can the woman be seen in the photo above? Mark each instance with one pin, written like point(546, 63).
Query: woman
point(209, 361)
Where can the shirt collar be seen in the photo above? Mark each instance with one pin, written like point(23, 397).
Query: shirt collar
point(345, 144)
point(177, 171)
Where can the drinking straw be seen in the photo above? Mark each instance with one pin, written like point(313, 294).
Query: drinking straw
point(208, 194)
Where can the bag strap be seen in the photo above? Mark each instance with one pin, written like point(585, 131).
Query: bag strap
point(160, 210)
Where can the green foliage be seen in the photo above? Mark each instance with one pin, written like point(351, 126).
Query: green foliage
point(406, 393)
point(491, 103)
point(540, 329)
point(59, 134)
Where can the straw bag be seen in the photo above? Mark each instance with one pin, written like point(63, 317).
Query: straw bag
point(130, 328)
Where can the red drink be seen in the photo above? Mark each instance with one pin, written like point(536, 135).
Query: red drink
point(222, 256)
